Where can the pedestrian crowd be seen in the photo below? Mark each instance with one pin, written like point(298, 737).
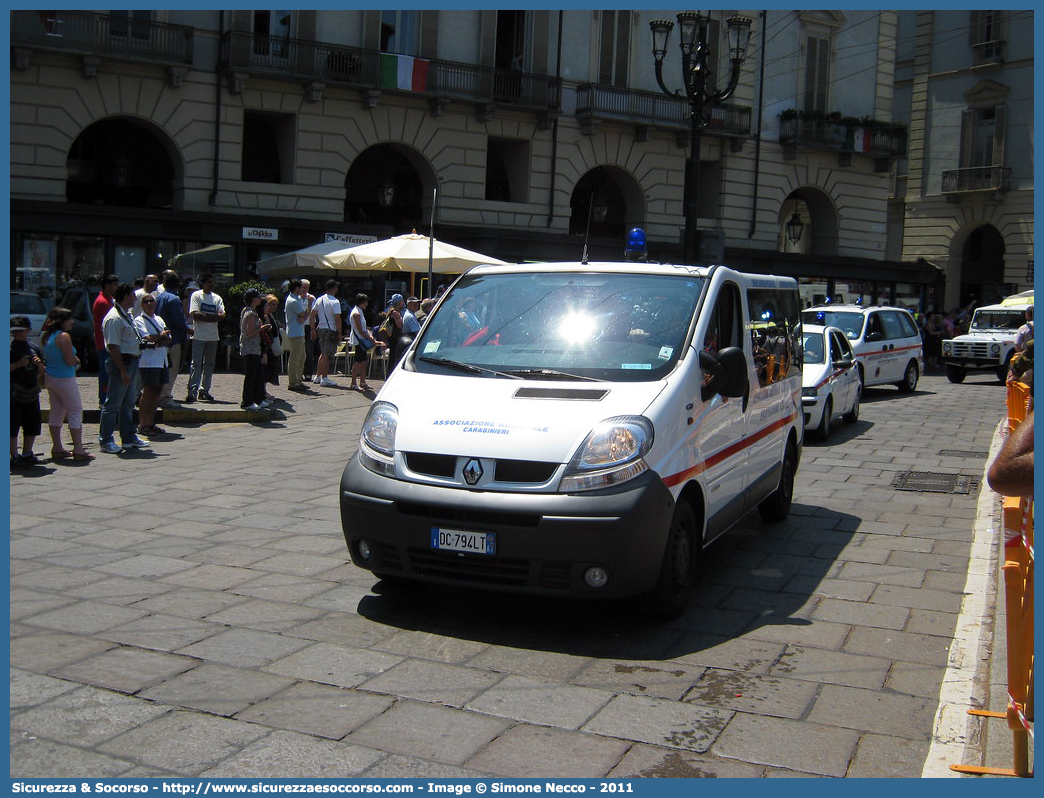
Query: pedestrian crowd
point(144, 333)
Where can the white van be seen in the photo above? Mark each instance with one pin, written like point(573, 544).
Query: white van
point(580, 429)
point(885, 340)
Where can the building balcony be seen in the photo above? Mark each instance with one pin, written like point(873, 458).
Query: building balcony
point(319, 64)
point(975, 178)
point(844, 137)
point(95, 36)
point(647, 109)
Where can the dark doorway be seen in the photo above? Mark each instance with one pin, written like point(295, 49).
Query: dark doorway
point(598, 201)
point(384, 188)
point(982, 267)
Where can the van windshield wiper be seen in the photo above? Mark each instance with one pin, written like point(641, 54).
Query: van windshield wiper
point(467, 368)
point(550, 374)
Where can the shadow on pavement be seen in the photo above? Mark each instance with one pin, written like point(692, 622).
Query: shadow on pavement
point(754, 576)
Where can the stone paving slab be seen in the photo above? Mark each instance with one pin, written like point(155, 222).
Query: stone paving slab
point(227, 606)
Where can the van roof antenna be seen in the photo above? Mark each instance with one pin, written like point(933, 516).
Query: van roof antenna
point(587, 232)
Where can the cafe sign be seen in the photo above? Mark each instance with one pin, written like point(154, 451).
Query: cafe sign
point(261, 233)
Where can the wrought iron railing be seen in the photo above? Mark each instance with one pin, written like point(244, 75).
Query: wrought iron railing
point(976, 178)
point(106, 35)
point(633, 106)
point(876, 140)
point(358, 67)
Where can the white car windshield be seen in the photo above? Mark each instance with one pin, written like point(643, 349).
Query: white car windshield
point(998, 319)
point(849, 322)
point(566, 326)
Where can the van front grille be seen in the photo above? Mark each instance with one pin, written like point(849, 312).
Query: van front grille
point(523, 471)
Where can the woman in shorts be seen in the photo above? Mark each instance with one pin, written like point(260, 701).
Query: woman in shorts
point(152, 366)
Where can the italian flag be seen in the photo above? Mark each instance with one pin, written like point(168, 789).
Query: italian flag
point(403, 72)
point(861, 140)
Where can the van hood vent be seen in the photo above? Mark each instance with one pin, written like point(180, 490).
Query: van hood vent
point(578, 394)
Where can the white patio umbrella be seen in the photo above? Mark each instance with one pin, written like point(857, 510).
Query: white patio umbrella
point(327, 256)
point(405, 253)
point(410, 253)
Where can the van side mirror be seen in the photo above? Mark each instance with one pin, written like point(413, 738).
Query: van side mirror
point(727, 371)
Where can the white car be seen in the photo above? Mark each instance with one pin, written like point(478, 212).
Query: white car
point(829, 380)
point(30, 305)
point(885, 341)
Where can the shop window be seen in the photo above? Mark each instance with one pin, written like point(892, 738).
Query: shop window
point(507, 168)
point(268, 145)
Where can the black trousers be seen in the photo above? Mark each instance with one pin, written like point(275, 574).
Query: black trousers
point(253, 380)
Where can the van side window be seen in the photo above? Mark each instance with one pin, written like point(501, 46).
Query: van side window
point(775, 333)
point(893, 328)
point(908, 326)
point(724, 327)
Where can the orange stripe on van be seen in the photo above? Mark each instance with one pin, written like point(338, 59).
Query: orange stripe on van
point(727, 452)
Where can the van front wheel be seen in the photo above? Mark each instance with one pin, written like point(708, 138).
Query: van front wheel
point(777, 506)
point(670, 597)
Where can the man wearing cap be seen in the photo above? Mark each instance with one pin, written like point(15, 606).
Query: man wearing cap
point(27, 367)
point(124, 348)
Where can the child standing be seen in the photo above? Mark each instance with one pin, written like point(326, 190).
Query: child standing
point(27, 367)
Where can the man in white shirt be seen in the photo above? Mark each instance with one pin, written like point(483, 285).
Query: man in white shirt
point(325, 319)
point(206, 309)
point(296, 315)
point(124, 348)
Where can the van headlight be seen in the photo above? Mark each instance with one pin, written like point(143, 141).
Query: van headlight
point(946, 347)
point(612, 453)
point(377, 439)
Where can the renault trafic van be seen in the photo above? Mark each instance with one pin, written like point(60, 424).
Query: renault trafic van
point(580, 429)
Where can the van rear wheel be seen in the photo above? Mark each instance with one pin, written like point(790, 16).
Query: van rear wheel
point(909, 381)
point(777, 506)
point(670, 597)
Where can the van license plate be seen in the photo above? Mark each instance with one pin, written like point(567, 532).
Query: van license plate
point(458, 540)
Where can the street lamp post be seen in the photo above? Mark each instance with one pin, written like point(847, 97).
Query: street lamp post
point(692, 29)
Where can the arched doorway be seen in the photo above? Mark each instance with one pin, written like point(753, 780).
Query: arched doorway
point(120, 161)
point(810, 213)
point(386, 186)
point(611, 199)
point(982, 267)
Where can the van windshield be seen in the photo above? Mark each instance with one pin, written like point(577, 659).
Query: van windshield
point(567, 326)
point(848, 321)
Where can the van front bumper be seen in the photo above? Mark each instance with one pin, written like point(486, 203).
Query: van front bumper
point(544, 542)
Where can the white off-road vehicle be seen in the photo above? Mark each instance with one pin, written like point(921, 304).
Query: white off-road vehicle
point(989, 344)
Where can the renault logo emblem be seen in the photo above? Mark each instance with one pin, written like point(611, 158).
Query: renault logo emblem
point(472, 472)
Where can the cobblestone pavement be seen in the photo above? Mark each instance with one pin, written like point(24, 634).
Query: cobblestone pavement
point(188, 610)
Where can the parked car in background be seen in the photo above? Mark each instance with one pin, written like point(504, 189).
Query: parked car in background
point(79, 300)
point(885, 340)
point(33, 307)
point(989, 344)
point(829, 380)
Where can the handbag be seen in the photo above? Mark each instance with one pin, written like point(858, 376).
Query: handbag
point(24, 393)
point(365, 343)
point(276, 347)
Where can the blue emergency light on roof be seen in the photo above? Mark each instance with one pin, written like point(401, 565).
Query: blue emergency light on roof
point(635, 249)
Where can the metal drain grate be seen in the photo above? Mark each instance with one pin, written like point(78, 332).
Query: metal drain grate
point(934, 482)
point(963, 453)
